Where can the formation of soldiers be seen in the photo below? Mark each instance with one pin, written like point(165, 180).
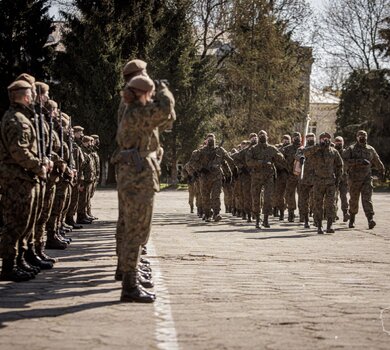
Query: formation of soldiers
point(257, 177)
point(48, 174)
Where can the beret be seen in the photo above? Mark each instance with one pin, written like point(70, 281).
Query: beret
point(95, 136)
point(87, 138)
point(134, 66)
point(78, 128)
point(26, 77)
point(52, 104)
point(142, 83)
point(42, 87)
point(19, 85)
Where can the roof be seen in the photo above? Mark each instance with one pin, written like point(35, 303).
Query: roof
point(320, 97)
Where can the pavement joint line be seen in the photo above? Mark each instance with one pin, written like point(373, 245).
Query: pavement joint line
point(166, 336)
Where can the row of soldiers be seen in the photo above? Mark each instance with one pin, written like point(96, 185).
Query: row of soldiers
point(257, 176)
point(48, 174)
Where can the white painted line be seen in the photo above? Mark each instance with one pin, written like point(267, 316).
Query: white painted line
point(165, 326)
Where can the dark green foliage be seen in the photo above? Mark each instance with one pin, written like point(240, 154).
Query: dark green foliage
point(24, 29)
point(365, 104)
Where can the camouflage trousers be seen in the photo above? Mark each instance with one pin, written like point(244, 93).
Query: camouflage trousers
point(278, 199)
point(198, 195)
point(228, 195)
point(84, 199)
point(305, 191)
point(92, 193)
point(363, 188)
point(211, 188)
point(19, 203)
point(136, 196)
point(342, 192)
point(61, 193)
point(191, 194)
point(261, 182)
point(237, 194)
point(48, 200)
point(324, 197)
point(291, 190)
point(246, 195)
point(74, 200)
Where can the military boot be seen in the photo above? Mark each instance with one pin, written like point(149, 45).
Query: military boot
point(371, 222)
point(233, 211)
point(243, 215)
point(265, 221)
point(216, 216)
point(22, 264)
point(9, 272)
point(345, 216)
point(306, 217)
point(70, 221)
point(291, 215)
point(258, 221)
point(144, 250)
point(191, 208)
point(238, 213)
point(53, 242)
point(352, 221)
point(329, 226)
point(320, 231)
point(281, 215)
point(276, 212)
point(301, 217)
point(144, 281)
point(40, 250)
point(249, 219)
point(33, 259)
point(132, 291)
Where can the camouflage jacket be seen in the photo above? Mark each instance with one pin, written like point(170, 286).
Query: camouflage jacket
point(360, 159)
point(308, 167)
point(289, 153)
point(18, 145)
point(262, 157)
point(327, 163)
point(88, 167)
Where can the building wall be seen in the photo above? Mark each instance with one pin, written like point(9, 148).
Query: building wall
point(323, 118)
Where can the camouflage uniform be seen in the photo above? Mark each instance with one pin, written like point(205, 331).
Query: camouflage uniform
point(136, 187)
point(360, 158)
point(260, 160)
point(328, 168)
point(342, 189)
point(227, 186)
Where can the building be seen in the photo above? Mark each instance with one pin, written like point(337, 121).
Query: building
point(323, 110)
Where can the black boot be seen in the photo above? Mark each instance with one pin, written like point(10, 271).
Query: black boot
point(281, 215)
point(346, 216)
point(301, 217)
point(258, 221)
point(265, 222)
point(22, 264)
point(371, 222)
point(291, 215)
point(351, 221)
point(144, 250)
point(53, 242)
point(233, 211)
point(144, 281)
point(329, 226)
point(249, 219)
point(33, 259)
point(243, 215)
point(132, 291)
point(118, 274)
point(216, 216)
point(276, 213)
point(320, 231)
point(191, 208)
point(306, 218)
point(40, 250)
point(9, 272)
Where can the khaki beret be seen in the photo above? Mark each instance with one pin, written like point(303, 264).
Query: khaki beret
point(19, 85)
point(95, 136)
point(42, 87)
point(361, 132)
point(65, 116)
point(253, 134)
point(78, 128)
point(52, 104)
point(134, 66)
point(325, 134)
point(142, 83)
point(87, 138)
point(26, 77)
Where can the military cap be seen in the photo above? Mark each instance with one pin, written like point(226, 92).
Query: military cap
point(42, 87)
point(263, 132)
point(134, 66)
point(325, 134)
point(26, 77)
point(210, 135)
point(142, 83)
point(94, 136)
point(52, 104)
point(296, 133)
point(339, 138)
point(361, 132)
point(19, 85)
point(252, 134)
point(78, 128)
point(87, 138)
point(310, 134)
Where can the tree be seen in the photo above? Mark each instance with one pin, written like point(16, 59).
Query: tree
point(365, 104)
point(24, 28)
point(383, 44)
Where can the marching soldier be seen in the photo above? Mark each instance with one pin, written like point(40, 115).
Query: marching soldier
point(342, 189)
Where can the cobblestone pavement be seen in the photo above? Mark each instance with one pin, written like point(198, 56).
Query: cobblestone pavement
point(219, 285)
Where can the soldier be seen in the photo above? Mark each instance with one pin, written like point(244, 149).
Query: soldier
point(328, 168)
point(342, 189)
point(360, 157)
point(306, 180)
point(96, 158)
point(279, 203)
point(260, 160)
point(289, 153)
point(20, 171)
point(138, 176)
point(209, 166)
point(190, 179)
